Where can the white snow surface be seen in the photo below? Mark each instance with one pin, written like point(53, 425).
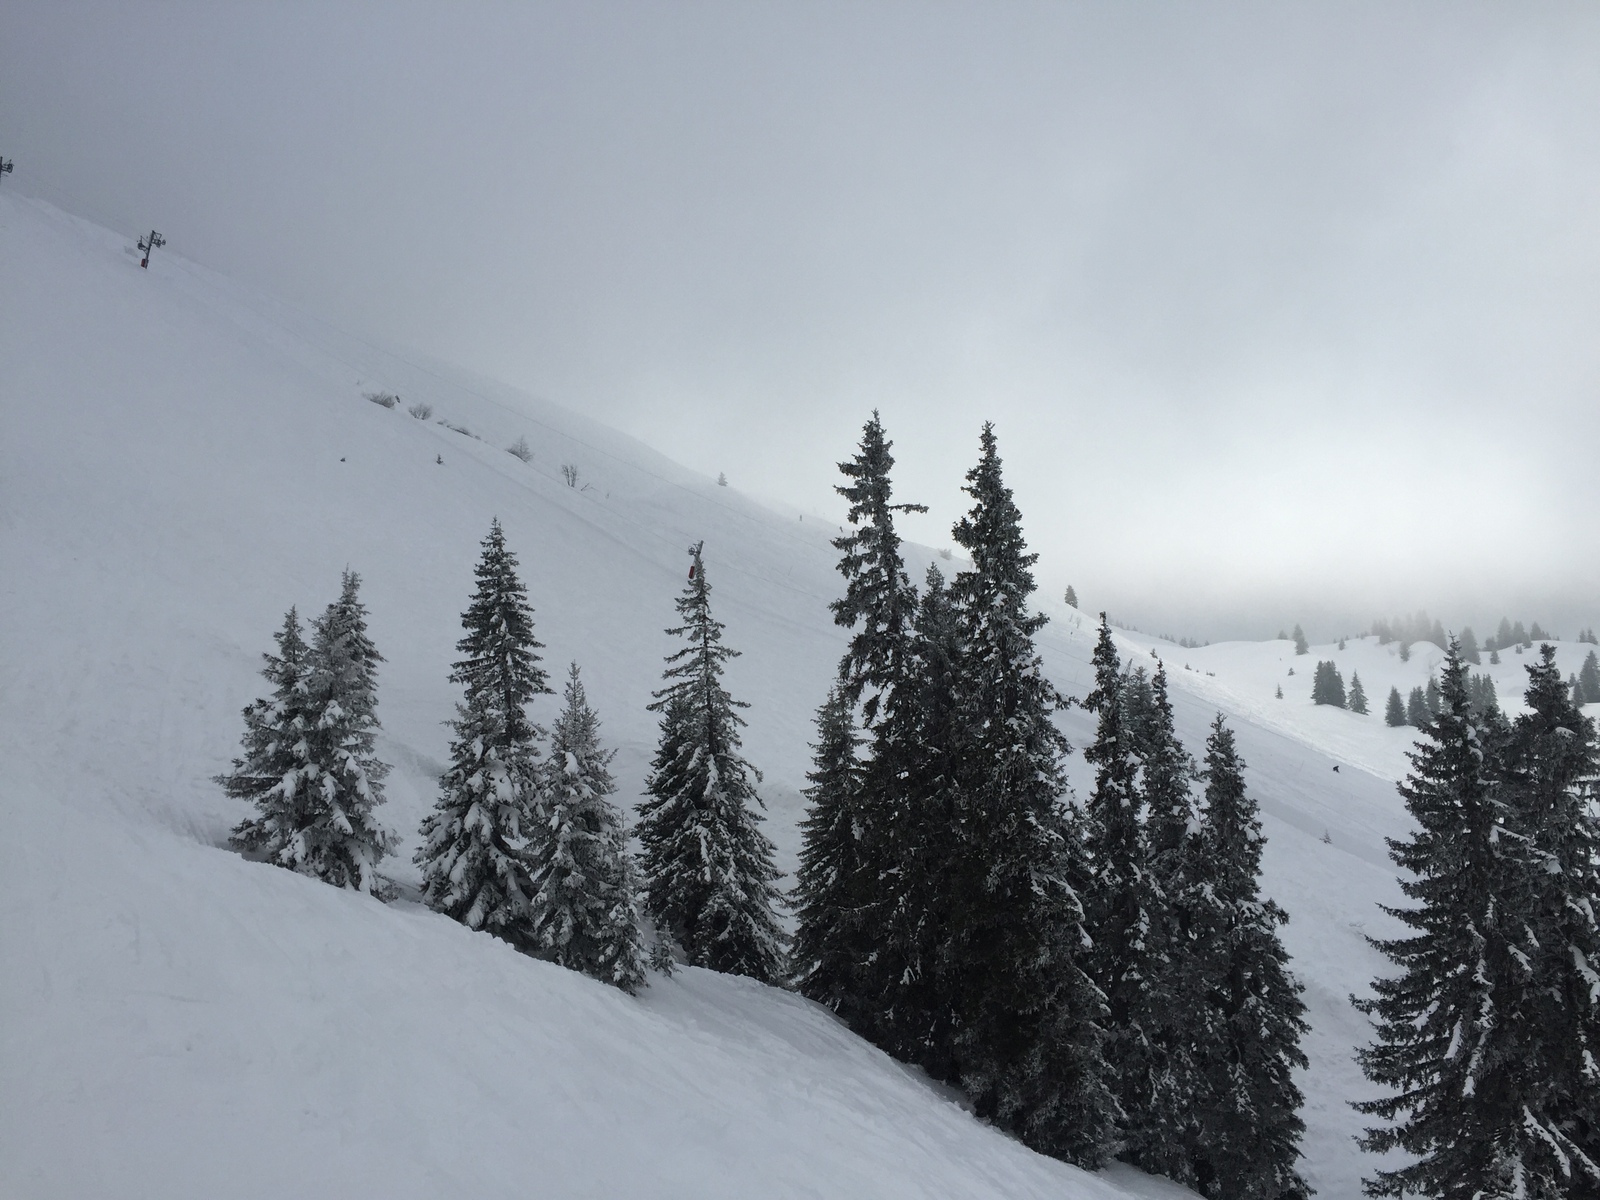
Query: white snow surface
point(181, 460)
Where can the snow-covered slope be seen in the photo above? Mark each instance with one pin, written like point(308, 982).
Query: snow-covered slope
point(180, 461)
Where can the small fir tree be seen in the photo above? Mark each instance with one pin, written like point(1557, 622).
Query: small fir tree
point(268, 775)
point(1417, 712)
point(476, 855)
point(1494, 658)
point(1394, 713)
point(584, 913)
point(1589, 678)
point(1071, 597)
point(320, 819)
point(1358, 695)
point(1247, 1131)
point(1469, 646)
point(1301, 646)
point(1328, 685)
point(709, 876)
point(1405, 651)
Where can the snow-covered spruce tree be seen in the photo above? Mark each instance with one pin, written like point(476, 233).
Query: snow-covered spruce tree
point(1358, 695)
point(475, 855)
point(1248, 1004)
point(1158, 1081)
point(876, 959)
point(1028, 1039)
point(1453, 1027)
point(267, 776)
point(709, 876)
point(1118, 890)
point(321, 819)
point(831, 897)
point(1552, 770)
point(584, 913)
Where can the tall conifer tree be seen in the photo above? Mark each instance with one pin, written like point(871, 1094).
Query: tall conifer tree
point(879, 957)
point(1552, 769)
point(1117, 893)
point(1245, 1099)
point(1158, 1079)
point(709, 876)
point(476, 855)
point(584, 913)
point(1028, 1036)
point(1452, 1025)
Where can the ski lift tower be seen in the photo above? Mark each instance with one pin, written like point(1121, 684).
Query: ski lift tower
point(148, 245)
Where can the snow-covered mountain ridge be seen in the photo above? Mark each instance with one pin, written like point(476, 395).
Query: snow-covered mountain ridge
point(182, 460)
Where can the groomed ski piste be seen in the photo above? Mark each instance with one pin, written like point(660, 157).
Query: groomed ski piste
point(182, 459)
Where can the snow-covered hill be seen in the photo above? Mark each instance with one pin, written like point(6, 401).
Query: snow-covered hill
point(181, 460)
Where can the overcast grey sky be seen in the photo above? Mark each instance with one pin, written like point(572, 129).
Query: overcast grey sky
point(1282, 311)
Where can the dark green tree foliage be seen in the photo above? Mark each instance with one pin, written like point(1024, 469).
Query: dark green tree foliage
point(832, 898)
point(1072, 597)
point(1417, 712)
point(320, 818)
point(1553, 765)
point(1301, 646)
point(1453, 1027)
point(584, 913)
point(1246, 1104)
point(1469, 646)
point(1431, 698)
point(476, 856)
point(1027, 1043)
point(1327, 686)
point(1589, 678)
point(1358, 695)
point(709, 876)
point(1394, 713)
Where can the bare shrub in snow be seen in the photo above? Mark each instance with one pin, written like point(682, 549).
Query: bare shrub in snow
point(386, 399)
point(569, 472)
point(521, 449)
point(421, 411)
